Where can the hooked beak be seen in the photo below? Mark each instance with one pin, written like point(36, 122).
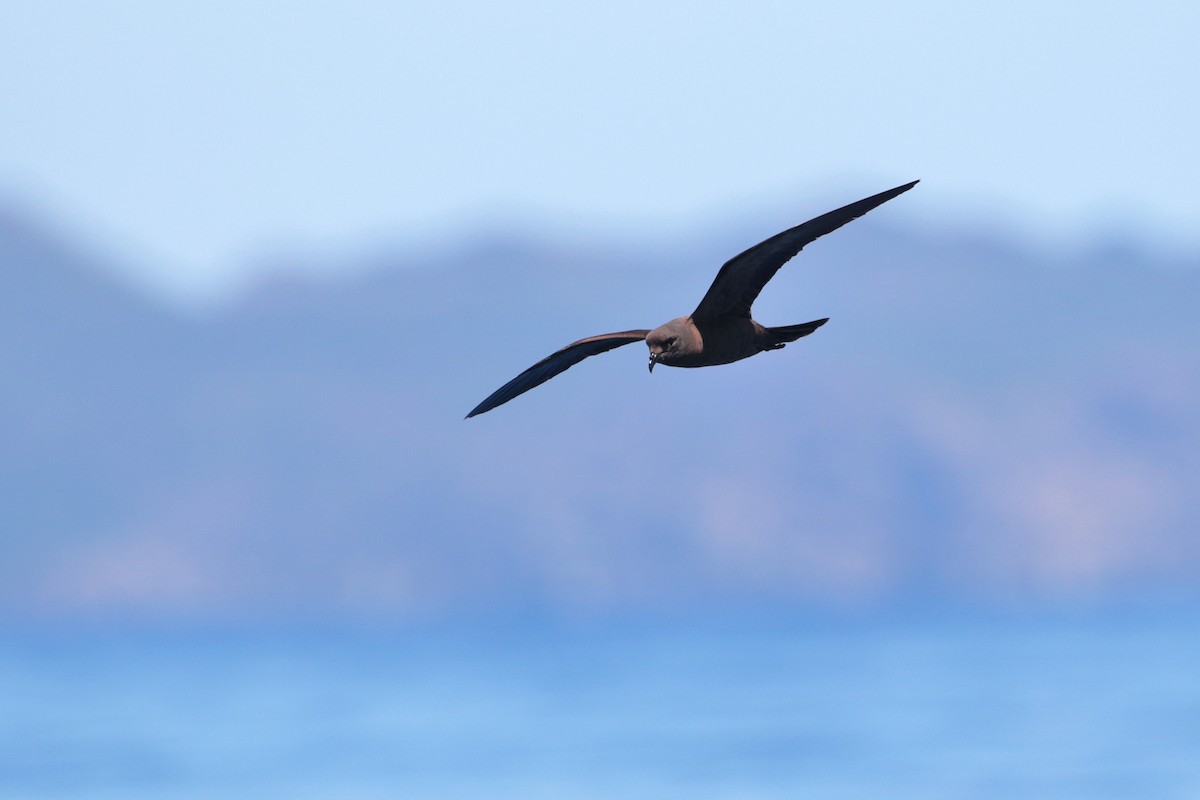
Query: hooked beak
point(653, 360)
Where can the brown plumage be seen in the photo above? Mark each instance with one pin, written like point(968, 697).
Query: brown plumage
point(721, 329)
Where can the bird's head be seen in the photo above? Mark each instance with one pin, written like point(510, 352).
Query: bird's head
point(671, 340)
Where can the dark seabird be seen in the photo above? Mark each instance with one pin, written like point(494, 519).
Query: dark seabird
point(720, 330)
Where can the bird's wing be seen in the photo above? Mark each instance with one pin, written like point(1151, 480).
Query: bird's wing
point(743, 276)
point(555, 363)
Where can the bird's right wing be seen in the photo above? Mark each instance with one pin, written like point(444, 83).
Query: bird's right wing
point(555, 363)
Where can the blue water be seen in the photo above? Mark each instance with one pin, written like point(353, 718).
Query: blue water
point(917, 709)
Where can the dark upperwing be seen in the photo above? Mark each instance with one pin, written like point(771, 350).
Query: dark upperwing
point(555, 363)
point(743, 276)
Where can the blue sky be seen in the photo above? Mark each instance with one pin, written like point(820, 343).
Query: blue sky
point(194, 139)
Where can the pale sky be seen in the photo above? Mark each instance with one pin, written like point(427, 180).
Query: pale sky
point(193, 138)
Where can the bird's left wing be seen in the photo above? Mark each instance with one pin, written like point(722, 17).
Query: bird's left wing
point(555, 363)
point(744, 275)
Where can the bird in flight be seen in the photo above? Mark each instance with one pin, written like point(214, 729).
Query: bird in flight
point(720, 330)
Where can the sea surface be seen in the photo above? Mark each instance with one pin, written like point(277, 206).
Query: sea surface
point(1023, 708)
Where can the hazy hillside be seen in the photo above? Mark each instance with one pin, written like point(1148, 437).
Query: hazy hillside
point(978, 423)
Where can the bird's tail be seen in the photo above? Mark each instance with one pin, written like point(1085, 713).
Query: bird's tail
point(790, 333)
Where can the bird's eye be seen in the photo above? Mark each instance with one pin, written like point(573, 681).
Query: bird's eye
point(671, 341)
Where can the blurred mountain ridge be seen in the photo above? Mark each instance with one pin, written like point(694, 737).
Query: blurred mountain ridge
point(980, 422)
